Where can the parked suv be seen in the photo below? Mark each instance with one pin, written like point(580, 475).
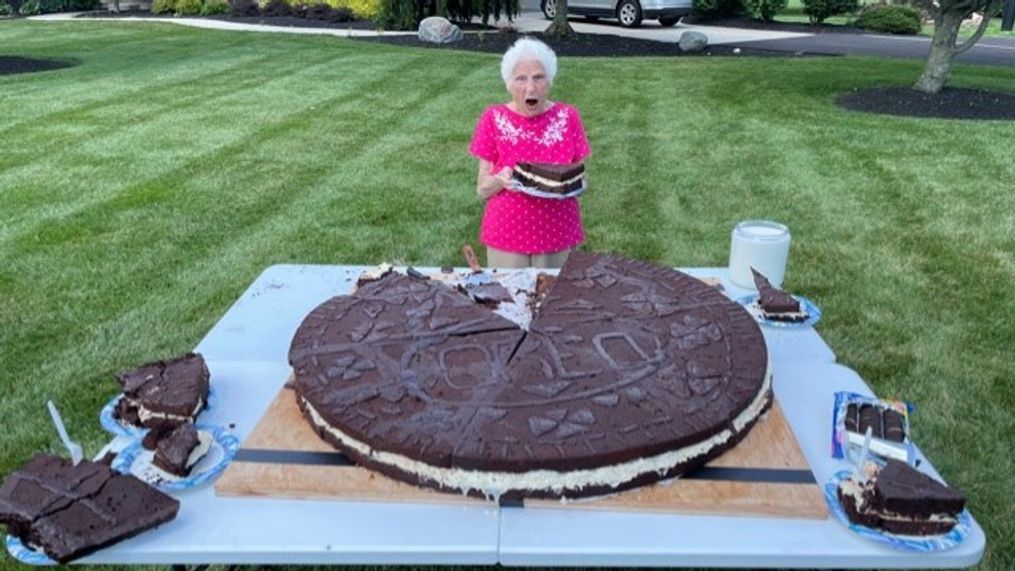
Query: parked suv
point(629, 12)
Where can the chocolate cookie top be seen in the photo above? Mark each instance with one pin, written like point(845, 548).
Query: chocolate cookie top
point(175, 386)
point(624, 360)
point(901, 489)
point(173, 451)
point(72, 510)
point(771, 298)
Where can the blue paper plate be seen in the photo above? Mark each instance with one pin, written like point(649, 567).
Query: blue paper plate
point(918, 543)
point(109, 422)
point(134, 459)
point(26, 554)
point(807, 306)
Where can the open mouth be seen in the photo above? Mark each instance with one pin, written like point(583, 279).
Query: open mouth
point(531, 102)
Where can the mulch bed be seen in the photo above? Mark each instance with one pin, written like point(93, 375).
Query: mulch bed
point(600, 45)
point(10, 65)
point(950, 103)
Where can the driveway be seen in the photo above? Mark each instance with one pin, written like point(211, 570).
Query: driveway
point(534, 21)
point(988, 51)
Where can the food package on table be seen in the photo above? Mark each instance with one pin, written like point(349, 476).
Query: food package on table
point(887, 419)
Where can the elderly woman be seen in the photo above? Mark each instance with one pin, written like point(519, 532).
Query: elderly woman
point(520, 230)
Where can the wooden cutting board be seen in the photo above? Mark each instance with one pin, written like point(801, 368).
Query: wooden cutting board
point(766, 474)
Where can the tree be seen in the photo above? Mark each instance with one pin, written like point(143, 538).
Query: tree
point(560, 27)
point(948, 17)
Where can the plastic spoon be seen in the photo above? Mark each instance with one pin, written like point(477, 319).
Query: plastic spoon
point(861, 474)
point(76, 454)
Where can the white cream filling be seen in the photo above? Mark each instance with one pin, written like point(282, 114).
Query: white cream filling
point(145, 414)
point(546, 181)
point(203, 445)
point(493, 484)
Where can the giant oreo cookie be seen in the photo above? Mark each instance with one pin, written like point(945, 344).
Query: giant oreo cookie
point(630, 373)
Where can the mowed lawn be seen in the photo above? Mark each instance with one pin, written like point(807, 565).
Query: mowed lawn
point(142, 191)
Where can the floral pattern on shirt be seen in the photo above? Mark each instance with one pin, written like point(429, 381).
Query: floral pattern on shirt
point(553, 132)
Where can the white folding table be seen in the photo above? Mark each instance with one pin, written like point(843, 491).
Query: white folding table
point(246, 351)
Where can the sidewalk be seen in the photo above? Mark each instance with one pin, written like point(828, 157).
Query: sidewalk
point(210, 24)
point(529, 21)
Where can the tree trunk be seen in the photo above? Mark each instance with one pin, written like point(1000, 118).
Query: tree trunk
point(942, 52)
point(943, 49)
point(560, 27)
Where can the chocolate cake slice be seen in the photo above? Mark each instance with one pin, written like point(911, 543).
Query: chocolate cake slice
point(776, 304)
point(70, 511)
point(901, 499)
point(181, 450)
point(551, 178)
point(164, 392)
point(629, 373)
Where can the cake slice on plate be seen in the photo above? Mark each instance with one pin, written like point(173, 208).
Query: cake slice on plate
point(900, 499)
point(776, 304)
point(550, 178)
point(72, 510)
point(177, 453)
point(168, 392)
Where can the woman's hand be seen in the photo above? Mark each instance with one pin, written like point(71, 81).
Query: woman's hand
point(488, 183)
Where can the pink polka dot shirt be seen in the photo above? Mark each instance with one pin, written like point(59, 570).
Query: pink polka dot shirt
point(516, 222)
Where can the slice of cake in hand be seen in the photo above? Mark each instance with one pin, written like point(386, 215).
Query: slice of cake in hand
point(776, 304)
point(554, 179)
point(70, 511)
point(181, 450)
point(900, 499)
point(164, 392)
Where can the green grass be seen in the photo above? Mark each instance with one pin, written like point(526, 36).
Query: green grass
point(993, 30)
point(142, 191)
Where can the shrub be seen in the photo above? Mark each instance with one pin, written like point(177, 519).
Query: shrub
point(365, 9)
point(406, 14)
point(80, 5)
point(6, 10)
point(465, 10)
point(397, 15)
point(214, 7)
point(243, 8)
point(188, 7)
point(53, 6)
point(709, 9)
point(901, 20)
point(765, 9)
point(276, 8)
point(29, 8)
point(163, 6)
point(328, 13)
point(819, 10)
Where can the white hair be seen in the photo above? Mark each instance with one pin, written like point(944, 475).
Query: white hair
point(526, 49)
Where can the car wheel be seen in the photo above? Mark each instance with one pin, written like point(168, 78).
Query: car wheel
point(667, 21)
point(629, 13)
point(549, 9)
